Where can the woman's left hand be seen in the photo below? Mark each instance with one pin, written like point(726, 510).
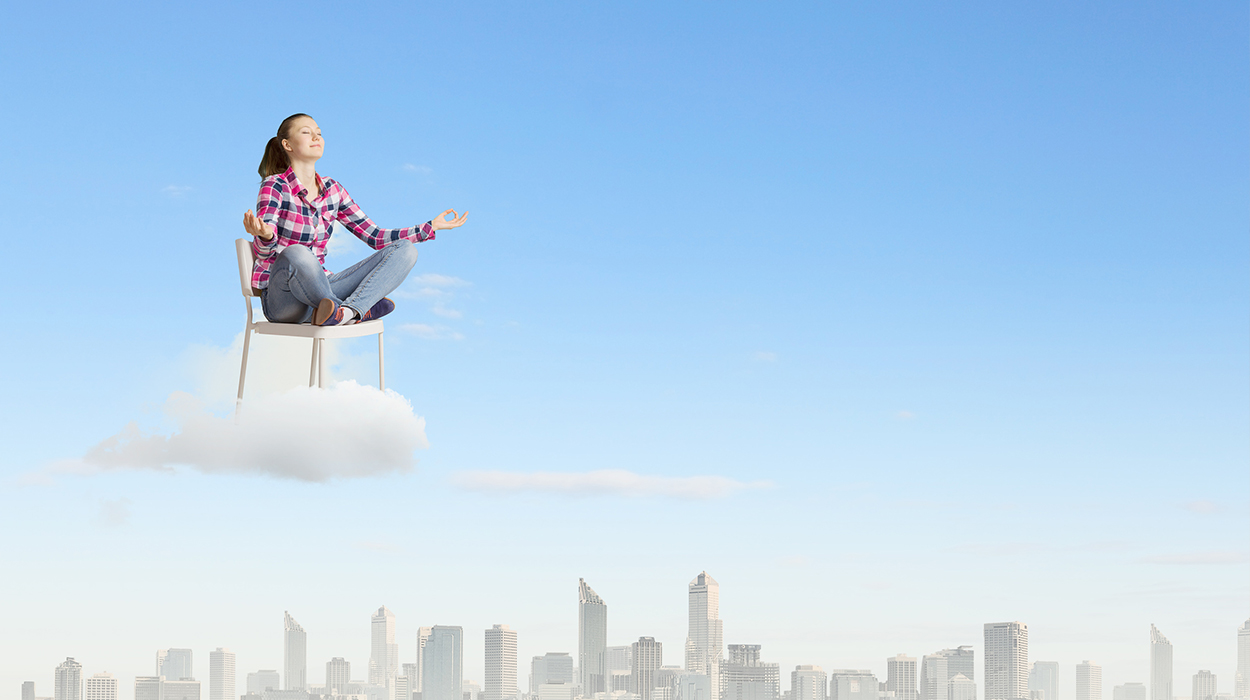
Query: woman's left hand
point(440, 222)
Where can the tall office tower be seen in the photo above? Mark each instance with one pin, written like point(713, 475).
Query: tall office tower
point(442, 671)
point(384, 652)
point(1241, 683)
point(338, 675)
point(294, 654)
point(423, 633)
point(704, 641)
point(1088, 681)
point(900, 677)
point(500, 679)
point(592, 639)
point(1129, 691)
point(961, 687)
point(743, 676)
point(1044, 676)
point(221, 679)
point(147, 688)
point(959, 660)
point(1006, 661)
point(260, 681)
point(1160, 666)
point(648, 657)
point(28, 690)
point(174, 664)
point(103, 686)
point(67, 684)
point(664, 685)
point(185, 689)
point(808, 683)
point(933, 677)
point(849, 684)
point(552, 667)
point(1204, 686)
point(617, 659)
point(409, 672)
point(401, 688)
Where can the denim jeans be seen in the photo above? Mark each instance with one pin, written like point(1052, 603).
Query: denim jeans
point(297, 282)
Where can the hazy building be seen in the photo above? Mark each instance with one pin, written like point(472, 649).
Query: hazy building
point(933, 678)
point(423, 633)
point(221, 678)
point(338, 676)
point(1088, 681)
point(556, 691)
point(28, 690)
point(592, 639)
point(1044, 676)
point(693, 686)
point(1006, 661)
point(442, 672)
point(1204, 686)
point(850, 684)
point(1160, 666)
point(961, 687)
point(500, 680)
point(960, 660)
point(185, 689)
point(408, 673)
point(705, 638)
point(383, 651)
point(1241, 683)
point(101, 686)
point(552, 667)
point(648, 656)
point(808, 683)
point(147, 688)
point(664, 684)
point(472, 691)
point(294, 654)
point(900, 677)
point(260, 681)
point(1129, 691)
point(618, 658)
point(174, 664)
point(743, 676)
point(67, 681)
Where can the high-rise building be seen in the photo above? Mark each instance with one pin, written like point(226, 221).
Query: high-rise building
point(101, 686)
point(1241, 683)
point(500, 680)
point(743, 676)
point(1006, 661)
point(1044, 676)
point(185, 689)
point(1204, 686)
point(961, 687)
point(808, 683)
point(409, 674)
point(693, 686)
point(959, 660)
point(148, 688)
point(1129, 691)
point(442, 671)
point(338, 676)
point(28, 690)
point(648, 656)
point(260, 681)
point(294, 654)
point(592, 639)
point(174, 664)
point(67, 682)
point(552, 667)
point(423, 633)
point(849, 684)
point(1160, 666)
point(618, 658)
point(705, 638)
point(221, 678)
point(900, 677)
point(1088, 681)
point(383, 651)
point(933, 677)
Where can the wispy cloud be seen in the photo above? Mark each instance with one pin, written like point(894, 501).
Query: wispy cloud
point(1214, 558)
point(764, 356)
point(428, 332)
point(433, 279)
point(904, 415)
point(175, 191)
point(445, 312)
point(605, 482)
point(413, 168)
point(114, 513)
point(1203, 507)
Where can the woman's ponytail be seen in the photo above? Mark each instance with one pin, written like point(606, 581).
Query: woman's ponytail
point(276, 161)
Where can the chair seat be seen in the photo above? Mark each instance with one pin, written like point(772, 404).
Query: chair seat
point(307, 330)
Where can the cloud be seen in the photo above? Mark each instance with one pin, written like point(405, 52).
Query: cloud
point(763, 356)
point(1200, 558)
point(904, 415)
point(305, 434)
point(428, 332)
point(446, 313)
point(114, 513)
point(423, 169)
point(605, 482)
point(175, 191)
point(433, 279)
point(1203, 507)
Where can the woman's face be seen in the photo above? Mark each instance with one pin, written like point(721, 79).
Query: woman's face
point(304, 140)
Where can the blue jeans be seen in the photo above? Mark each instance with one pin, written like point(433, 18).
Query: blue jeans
point(297, 282)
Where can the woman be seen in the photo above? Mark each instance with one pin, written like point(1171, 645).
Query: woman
point(295, 212)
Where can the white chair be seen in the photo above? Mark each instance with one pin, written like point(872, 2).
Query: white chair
point(319, 334)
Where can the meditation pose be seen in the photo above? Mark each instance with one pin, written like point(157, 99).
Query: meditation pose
point(295, 212)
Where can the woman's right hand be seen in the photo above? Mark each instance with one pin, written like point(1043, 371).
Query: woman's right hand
point(256, 227)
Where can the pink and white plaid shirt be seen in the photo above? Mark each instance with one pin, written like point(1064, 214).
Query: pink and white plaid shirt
point(284, 202)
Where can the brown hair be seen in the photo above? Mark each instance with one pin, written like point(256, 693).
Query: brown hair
point(276, 161)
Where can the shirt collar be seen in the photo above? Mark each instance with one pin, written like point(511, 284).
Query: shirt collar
point(298, 187)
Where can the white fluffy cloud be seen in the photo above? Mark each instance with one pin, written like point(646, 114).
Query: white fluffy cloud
point(606, 482)
point(307, 434)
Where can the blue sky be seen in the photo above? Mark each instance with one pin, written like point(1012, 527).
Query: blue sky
point(967, 286)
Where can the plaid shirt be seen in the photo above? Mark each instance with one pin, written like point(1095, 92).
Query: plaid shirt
point(299, 220)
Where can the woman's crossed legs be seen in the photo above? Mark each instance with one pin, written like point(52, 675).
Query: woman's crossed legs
point(297, 282)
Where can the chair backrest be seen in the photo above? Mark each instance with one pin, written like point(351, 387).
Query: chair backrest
point(243, 247)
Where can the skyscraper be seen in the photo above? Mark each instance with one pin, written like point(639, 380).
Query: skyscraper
point(933, 677)
point(743, 676)
point(423, 633)
point(101, 686)
point(808, 683)
point(1204, 686)
point(849, 684)
point(1006, 661)
point(900, 677)
point(592, 639)
point(260, 681)
point(221, 678)
point(1129, 691)
point(67, 682)
point(338, 675)
point(959, 660)
point(1044, 676)
point(185, 689)
point(500, 681)
point(442, 672)
point(552, 667)
point(1088, 681)
point(28, 690)
point(618, 659)
point(383, 651)
point(961, 687)
point(704, 641)
point(408, 672)
point(294, 654)
point(1160, 666)
point(147, 688)
point(174, 664)
point(1241, 683)
point(648, 657)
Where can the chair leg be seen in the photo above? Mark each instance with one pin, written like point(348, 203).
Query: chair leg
point(312, 367)
point(247, 339)
point(381, 366)
point(321, 363)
